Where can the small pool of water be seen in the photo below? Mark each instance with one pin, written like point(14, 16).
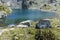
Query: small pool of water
point(28, 15)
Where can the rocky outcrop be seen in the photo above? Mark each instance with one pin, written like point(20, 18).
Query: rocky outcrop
point(25, 4)
point(51, 1)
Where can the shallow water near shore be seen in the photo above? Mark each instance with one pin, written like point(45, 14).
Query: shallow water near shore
point(29, 15)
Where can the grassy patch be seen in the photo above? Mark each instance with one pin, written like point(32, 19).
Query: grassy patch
point(55, 22)
point(47, 7)
point(20, 34)
point(5, 8)
point(58, 9)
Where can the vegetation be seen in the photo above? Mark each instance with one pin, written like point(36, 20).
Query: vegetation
point(45, 34)
point(4, 8)
point(30, 34)
point(46, 7)
point(58, 9)
point(55, 22)
point(18, 34)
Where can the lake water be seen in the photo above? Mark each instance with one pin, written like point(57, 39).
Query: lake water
point(28, 15)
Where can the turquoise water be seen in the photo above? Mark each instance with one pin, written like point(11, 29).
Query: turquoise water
point(28, 15)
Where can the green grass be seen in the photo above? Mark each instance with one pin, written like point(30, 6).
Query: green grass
point(56, 31)
point(30, 32)
point(10, 34)
point(5, 8)
point(58, 9)
point(54, 22)
point(46, 7)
